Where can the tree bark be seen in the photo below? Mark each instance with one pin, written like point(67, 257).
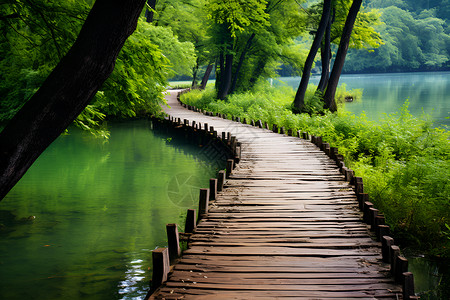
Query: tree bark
point(206, 76)
point(194, 74)
point(338, 65)
point(225, 77)
point(68, 89)
point(325, 54)
point(149, 14)
point(257, 71)
point(299, 101)
point(241, 62)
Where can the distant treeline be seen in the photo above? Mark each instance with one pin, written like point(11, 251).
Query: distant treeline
point(416, 37)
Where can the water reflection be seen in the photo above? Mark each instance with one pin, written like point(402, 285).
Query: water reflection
point(98, 208)
point(431, 277)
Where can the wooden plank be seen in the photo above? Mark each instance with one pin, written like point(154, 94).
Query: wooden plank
point(285, 224)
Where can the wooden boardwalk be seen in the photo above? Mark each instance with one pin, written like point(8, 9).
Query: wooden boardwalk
point(286, 224)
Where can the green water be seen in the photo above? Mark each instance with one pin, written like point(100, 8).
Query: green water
point(83, 220)
point(386, 93)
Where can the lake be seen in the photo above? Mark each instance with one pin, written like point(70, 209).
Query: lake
point(82, 222)
point(386, 93)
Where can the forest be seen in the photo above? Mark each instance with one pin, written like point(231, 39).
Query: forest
point(185, 39)
point(243, 43)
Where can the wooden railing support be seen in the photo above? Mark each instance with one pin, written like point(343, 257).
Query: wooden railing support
point(161, 267)
point(203, 203)
point(220, 180)
point(212, 189)
point(190, 224)
point(173, 240)
point(386, 243)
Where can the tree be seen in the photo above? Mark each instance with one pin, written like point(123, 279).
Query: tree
point(363, 36)
point(413, 41)
point(299, 100)
point(338, 65)
point(68, 89)
point(248, 37)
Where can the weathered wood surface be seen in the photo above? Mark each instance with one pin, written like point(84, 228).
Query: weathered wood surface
point(286, 225)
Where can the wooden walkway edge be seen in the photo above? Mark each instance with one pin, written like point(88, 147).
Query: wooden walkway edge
point(287, 224)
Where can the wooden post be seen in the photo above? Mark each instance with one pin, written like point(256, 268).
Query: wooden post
point(383, 230)
point(173, 241)
point(289, 132)
point(275, 128)
point(378, 221)
point(282, 130)
point(230, 164)
point(190, 225)
point(259, 123)
point(203, 203)
point(363, 198)
point(386, 243)
point(186, 122)
point(244, 121)
point(348, 175)
point(318, 142)
point(161, 267)
point(220, 180)
point(373, 213)
point(367, 207)
point(408, 285)
point(266, 126)
point(238, 119)
point(237, 155)
point(224, 137)
point(252, 123)
point(394, 252)
point(401, 266)
point(305, 135)
point(212, 189)
point(359, 187)
point(326, 149)
point(233, 144)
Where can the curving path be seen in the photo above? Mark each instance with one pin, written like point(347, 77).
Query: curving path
point(285, 225)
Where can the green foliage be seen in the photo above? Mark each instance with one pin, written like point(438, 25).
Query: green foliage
point(404, 160)
point(36, 34)
point(239, 15)
point(138, 81)
point(415, 39)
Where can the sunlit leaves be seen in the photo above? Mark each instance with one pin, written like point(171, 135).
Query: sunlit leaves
point(239, 15)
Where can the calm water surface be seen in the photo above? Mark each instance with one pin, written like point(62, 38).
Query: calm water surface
point(386, 93)
point(83, 220)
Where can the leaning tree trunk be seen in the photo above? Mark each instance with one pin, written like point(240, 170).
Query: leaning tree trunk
point(257, 71)
point(149, 14)
point(241, 62)
point(225, 77)
point(338, 65)
point(325, 54)
point(68, 89)
point(194, 74)
point(206, 76)
point(299, 101)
